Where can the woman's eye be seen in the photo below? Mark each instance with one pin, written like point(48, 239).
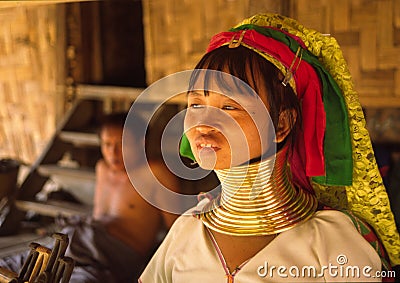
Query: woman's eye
point(194, 105)
point(229, 107)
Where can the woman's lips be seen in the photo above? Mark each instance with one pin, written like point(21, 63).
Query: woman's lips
point(207, 144)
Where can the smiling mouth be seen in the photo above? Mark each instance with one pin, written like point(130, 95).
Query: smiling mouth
point(207, 146)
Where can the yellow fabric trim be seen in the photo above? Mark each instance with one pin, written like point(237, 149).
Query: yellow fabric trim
point(367, 197)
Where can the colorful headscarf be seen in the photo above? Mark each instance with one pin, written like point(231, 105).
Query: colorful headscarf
point(334, 149)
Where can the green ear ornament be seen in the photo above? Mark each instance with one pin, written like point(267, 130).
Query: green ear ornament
point(184, 148)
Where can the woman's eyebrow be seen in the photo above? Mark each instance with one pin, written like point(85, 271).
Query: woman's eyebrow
point(195, 93)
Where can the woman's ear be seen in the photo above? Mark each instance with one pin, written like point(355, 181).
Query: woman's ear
point(287, 118)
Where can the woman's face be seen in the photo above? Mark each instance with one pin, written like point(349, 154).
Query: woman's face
point(226, 131)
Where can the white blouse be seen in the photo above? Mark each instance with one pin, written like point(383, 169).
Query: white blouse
point(325, 248)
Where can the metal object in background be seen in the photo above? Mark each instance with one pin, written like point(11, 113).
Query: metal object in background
point(43, 265)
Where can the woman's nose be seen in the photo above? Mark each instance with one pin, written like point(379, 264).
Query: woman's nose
point(203, 129)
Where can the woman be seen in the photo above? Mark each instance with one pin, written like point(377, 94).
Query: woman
point(273, 220)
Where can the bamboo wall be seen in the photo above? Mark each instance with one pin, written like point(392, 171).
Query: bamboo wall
point(29, 74)
point(177, 33)
point(369, 34)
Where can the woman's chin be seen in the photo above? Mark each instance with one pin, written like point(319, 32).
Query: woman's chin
point(212, 165)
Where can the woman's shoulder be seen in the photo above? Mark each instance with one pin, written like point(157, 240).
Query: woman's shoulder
point(330, 223)
point(184, 228)
point(331, 233)
point(189, 217)
point(331, 215)
point(328, 219)
point(184, 223)
point(328, 232)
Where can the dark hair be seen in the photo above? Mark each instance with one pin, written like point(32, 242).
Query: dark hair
point(249, 66)
point(119, 120)
point(113, 120)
